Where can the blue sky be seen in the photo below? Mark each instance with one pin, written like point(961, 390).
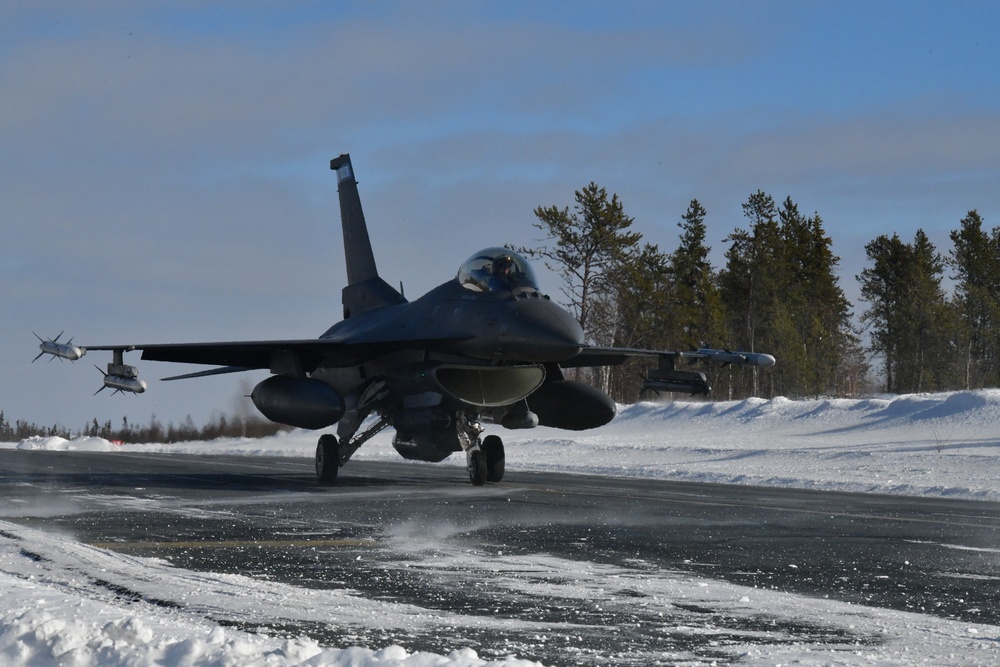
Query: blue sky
point(164, 166)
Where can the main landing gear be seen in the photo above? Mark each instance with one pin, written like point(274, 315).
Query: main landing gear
point(327, 459)
point(484, 457)
point(486, 461)
point(332, 453)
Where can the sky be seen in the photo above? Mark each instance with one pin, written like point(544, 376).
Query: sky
point(164, 167)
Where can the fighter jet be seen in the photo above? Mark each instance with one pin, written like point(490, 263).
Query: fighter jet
point(485, 347)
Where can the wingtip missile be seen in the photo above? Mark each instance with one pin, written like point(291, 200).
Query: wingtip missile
point(59, 350)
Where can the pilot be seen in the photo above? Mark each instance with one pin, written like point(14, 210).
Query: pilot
point(503, 267)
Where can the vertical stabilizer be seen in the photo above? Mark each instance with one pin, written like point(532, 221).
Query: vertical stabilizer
point(357, 245)
point(365, 289)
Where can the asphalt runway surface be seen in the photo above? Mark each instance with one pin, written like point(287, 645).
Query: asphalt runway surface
point(266, 518)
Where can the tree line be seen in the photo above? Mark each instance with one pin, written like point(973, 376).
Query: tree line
point(778, 292)
point(927, 339)
point(126, 432)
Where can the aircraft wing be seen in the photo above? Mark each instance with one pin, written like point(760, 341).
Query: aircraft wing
point(275, 355)
point(614, 356)
point(666, 377)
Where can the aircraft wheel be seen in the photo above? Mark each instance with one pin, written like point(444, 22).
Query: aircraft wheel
point(495, 458)
point(327, 459)
point(477, 466)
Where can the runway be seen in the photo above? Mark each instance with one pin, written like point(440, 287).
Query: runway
point(564, 569)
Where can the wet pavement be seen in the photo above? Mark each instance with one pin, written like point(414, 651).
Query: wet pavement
point(589, 570)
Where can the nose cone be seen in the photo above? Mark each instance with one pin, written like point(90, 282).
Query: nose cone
point(537, 330)
point(765, 360)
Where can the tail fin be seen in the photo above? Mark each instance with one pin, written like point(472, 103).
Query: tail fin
point(365, 289)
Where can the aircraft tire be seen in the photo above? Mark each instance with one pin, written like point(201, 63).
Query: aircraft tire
point(477, 466)
point(327, 459)
point(495, 458)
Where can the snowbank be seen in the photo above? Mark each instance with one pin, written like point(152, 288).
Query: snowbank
point(57, 444)
point(932, 444)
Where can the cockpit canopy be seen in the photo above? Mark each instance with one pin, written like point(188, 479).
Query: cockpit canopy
point(496, 270)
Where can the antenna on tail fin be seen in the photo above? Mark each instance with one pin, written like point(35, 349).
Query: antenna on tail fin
point(365, 289)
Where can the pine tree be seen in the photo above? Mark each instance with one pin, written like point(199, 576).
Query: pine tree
point(928, 366)
point(640, 315)
point(910, 319)
point(819, 311)
point(590, 243)
point(883, 287)
point(699, 315)
point(750, 288)
point(975, 259)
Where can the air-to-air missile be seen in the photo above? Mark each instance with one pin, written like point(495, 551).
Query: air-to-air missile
point(121, 376)
point(741, 358)
point(61, 350)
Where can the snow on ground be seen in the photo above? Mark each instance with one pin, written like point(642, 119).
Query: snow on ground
point(933, 444)
point(936, 444)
